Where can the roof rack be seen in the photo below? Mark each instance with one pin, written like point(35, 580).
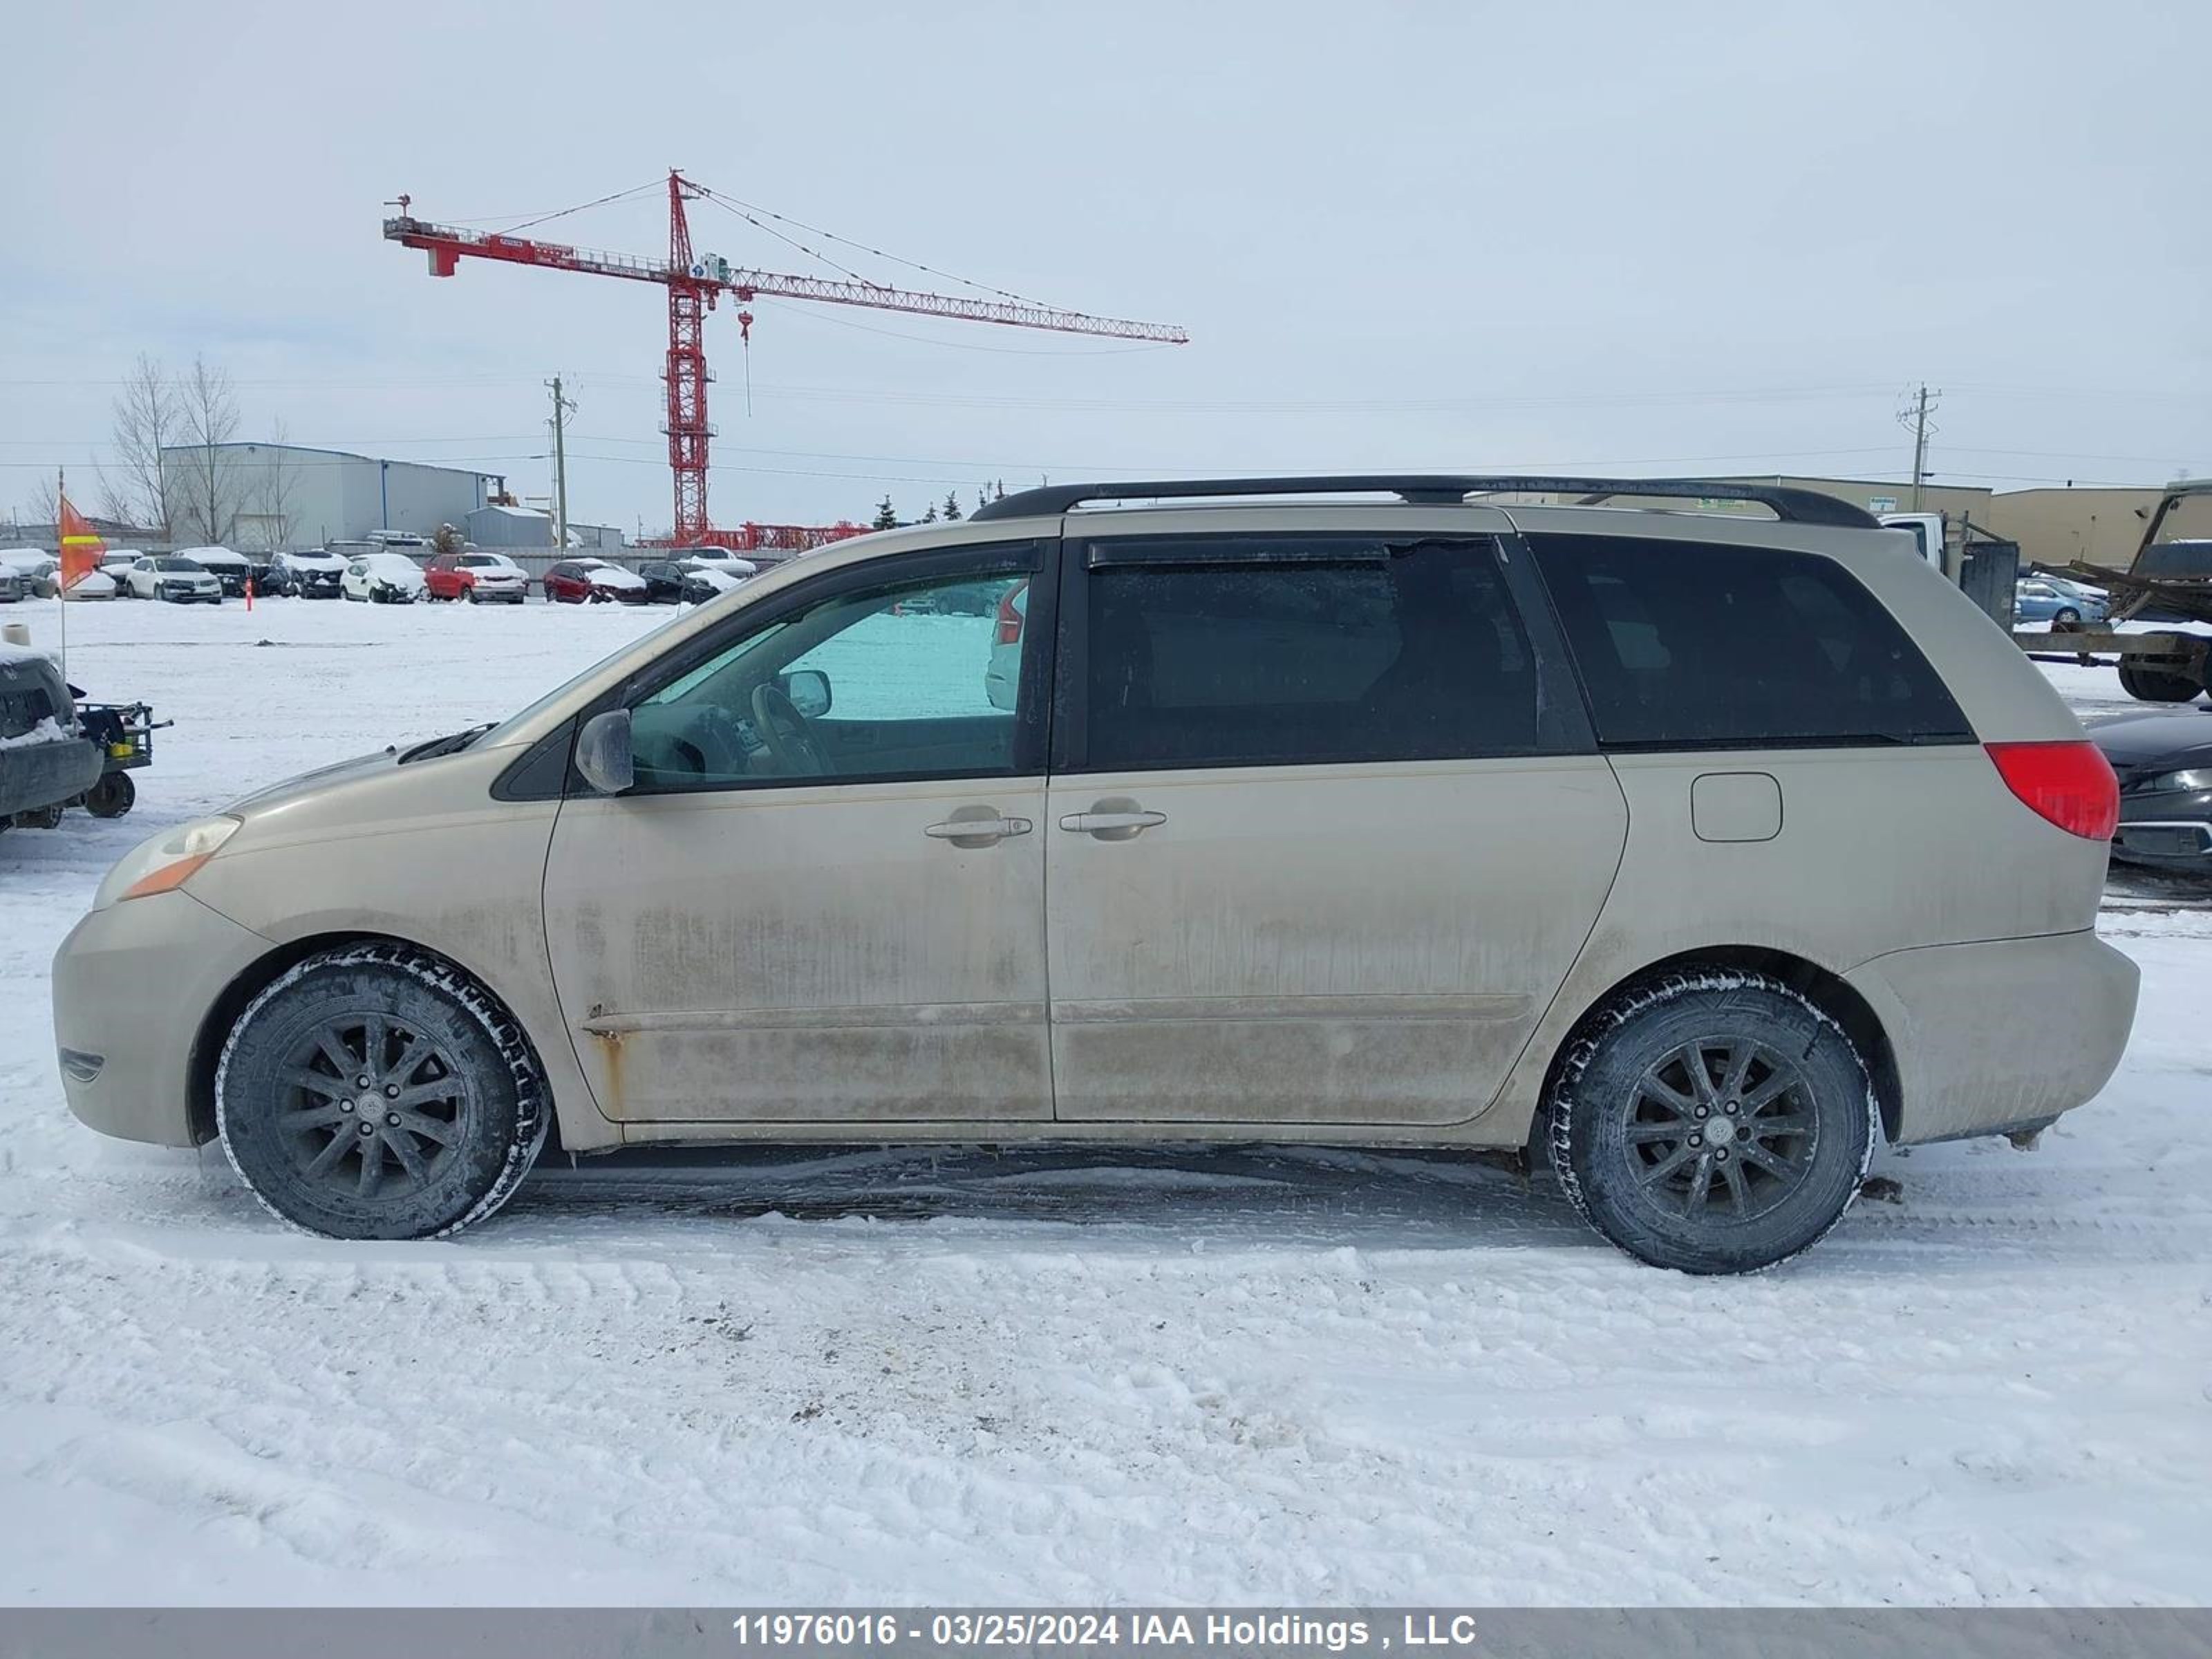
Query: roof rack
point(1441, 489)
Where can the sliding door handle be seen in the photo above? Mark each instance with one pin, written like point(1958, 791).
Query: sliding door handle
point(1112, 825)
point(984, 829)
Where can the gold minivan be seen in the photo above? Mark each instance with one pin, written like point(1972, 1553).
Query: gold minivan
point(1692, 850)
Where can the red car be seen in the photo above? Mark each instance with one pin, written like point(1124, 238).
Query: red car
point(476, 577)
point(580, 581)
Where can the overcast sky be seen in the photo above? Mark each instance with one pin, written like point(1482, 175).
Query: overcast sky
point(1624, 237)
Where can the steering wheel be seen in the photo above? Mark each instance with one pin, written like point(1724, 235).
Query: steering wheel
point(779, 726)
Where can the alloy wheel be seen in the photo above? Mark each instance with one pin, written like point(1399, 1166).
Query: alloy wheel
point(1721, 1126)
point(371, 1106)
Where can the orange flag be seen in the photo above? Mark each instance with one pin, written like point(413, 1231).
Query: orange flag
point(81, 548)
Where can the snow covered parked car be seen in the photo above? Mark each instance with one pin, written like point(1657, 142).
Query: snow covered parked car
point(232, 569)
point(93, 585)
point(312, 574)
point(166, 576)
point(37, 574)
point(475, 576)
point(20, 569)
point(1692, 855)
point(576, 581)
point(383, 579)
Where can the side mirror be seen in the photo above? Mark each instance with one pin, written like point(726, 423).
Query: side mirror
point(809, 691)
point(603, 752)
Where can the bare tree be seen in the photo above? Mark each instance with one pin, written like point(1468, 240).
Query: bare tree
point(274, 490)
point(149, 419)
point(46, 504)
point(208, 510)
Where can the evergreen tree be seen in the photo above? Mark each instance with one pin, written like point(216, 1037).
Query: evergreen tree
point(930, 517)
point(886, 515)
point(952, 504)
point(980, 502)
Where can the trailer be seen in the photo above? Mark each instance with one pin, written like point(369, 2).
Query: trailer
point(2166, 579)
point(125, 732)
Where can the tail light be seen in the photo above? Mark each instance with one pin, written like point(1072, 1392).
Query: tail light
point(2070, 784)
point(1009, 615)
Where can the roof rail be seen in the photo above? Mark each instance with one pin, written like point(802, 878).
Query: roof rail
point(1441, 489)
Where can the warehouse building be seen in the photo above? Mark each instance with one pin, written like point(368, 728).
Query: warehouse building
point(272, 495)
point(2054, 527)
point(508, 528)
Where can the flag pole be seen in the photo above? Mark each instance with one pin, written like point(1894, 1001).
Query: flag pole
point(61, 569)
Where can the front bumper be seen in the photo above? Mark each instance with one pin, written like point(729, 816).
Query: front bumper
point(2172, 828)
point(132, 985)
point(1999, 1036)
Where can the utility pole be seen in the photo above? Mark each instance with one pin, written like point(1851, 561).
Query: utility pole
point(562, 407)
point(1914, 415)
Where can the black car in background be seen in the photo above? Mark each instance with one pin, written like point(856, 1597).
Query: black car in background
point(664, 580)
point(2164, 763)
point(672, 581)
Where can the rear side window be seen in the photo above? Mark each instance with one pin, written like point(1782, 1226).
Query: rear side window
point(1698, 645)
point(1302, 651)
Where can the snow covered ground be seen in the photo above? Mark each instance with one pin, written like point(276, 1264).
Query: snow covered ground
point(1248, 1376)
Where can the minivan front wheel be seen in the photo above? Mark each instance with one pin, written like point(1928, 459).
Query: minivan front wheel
point(1712, 1122)
point(377, 1092)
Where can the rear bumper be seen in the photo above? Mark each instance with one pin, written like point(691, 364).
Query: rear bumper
point(131, 986)
point(33, 775)
point(1999, 1036)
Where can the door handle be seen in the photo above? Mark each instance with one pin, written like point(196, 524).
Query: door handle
point(977, 826)
point(1112, 825)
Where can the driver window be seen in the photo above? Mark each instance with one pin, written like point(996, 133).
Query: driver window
point(912, 679)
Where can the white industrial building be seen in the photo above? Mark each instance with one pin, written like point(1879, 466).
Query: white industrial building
point(508, 528)
point(271, 495)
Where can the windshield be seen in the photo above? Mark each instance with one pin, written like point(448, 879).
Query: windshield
point(497, 735)
point(177, 564)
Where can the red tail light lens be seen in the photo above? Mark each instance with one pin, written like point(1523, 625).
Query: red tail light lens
point(1009, 615)
point(2071, 784)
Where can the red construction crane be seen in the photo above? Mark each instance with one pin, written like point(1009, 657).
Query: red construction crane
point(695, 285)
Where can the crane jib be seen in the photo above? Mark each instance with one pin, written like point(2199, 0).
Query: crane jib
point(695, 285)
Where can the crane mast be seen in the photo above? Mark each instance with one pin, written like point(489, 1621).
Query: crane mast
point(694, 287)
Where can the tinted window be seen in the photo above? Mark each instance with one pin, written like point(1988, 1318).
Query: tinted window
point(1699, 645)
point(1302, 650)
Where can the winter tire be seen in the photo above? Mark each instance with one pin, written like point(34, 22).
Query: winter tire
point(2065, 617)
point(377, 1092)
point(1715, 1122)
point(111, 797)
point(2147, 685)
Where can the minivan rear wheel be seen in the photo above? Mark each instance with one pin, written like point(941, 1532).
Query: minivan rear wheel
point(1715, 1122)
point(377, 1092)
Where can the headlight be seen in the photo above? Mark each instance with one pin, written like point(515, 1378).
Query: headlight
point(164, 861)
point(2191, 781)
